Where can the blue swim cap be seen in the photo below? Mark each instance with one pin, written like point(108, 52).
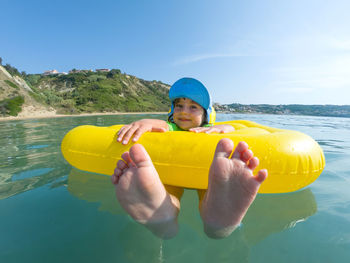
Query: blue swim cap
point(192, 89)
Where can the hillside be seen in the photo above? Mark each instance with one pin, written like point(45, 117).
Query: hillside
point(84, 92)
point(292, 109)
point(38, 95)
point(99, 92)
point(15, 97)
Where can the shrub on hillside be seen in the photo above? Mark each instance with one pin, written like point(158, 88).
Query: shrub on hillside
point(12, 70)
point(11, 106)
point(10, 83)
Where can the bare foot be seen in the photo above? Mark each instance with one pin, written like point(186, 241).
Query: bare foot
point(232, 188)
point(142, 195)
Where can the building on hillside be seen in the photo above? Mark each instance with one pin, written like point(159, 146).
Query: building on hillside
point(80, 71)
point(103, 70)
point(50, 72)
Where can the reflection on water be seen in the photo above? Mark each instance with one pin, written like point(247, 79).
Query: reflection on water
point(269, 214)
point(30, 150)
point(18, 186)
point(30, 156)
point(94, 188)
point(278, 212)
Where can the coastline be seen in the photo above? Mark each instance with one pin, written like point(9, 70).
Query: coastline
point(48, 115)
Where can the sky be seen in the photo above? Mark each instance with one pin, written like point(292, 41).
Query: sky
point(243, 51)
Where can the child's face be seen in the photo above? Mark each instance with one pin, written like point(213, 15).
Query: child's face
point(187, 114)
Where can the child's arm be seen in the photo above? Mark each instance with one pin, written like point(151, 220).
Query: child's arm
point(223, 128)
point(138, 128)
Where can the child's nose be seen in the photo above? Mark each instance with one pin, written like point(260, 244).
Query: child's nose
point(186, 109)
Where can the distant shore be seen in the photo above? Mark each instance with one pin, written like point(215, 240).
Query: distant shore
point(49, 115)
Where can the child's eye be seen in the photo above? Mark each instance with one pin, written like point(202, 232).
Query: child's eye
point(178, 106)
point(194, 107)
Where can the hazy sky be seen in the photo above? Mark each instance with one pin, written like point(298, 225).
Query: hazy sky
point(252, 51)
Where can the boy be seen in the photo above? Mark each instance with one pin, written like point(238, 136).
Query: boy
point(231, 187)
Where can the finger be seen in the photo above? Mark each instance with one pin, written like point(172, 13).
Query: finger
point(240, 148)
point(197, 129)
point(211, 130)
point(253, 163)
point(158, 129)
point(129, 134)
point(138, 133)
point(261, 176)
point(122, 131)
point(201, 129)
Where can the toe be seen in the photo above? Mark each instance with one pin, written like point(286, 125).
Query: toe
point(139, 156)
point(240, 148)
point(118, 172)
point(121, 165)
point(224, 148)
point(246, 156)
point(114, 178)
point(261, 176)
point(127, 159)
point(253, 163)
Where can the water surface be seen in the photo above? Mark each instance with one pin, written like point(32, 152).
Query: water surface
point(53, 213)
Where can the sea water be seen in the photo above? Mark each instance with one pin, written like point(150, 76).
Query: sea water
point(50, 212)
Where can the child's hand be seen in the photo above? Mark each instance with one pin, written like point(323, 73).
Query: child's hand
point(138, 128)
point(224, 128)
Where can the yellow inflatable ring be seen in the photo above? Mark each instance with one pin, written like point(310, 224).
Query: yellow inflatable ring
point(293, 159)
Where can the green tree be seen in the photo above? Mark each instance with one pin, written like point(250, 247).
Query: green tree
point(12, 70)
point(112, 73)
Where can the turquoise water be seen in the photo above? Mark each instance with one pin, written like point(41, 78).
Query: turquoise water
point(50, 212)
